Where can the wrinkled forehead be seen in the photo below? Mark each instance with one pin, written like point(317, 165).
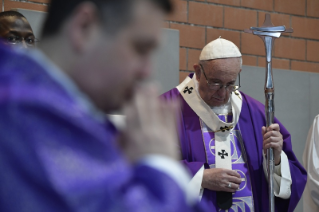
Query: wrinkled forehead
point(15, 24)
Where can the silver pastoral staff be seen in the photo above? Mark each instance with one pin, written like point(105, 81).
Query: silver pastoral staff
point(268, 33)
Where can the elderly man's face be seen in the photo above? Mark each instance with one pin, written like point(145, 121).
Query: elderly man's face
point(16, 31)
point(115, 63)
point(222, 71)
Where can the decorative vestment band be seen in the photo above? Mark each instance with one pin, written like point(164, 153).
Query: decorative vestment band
point(243, 197)
point(221, 140)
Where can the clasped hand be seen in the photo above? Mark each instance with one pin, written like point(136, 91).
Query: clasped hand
point(218, 179)
point(272, 138)
point(150, 126)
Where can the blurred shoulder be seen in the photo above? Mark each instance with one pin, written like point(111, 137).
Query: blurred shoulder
point(171, 94)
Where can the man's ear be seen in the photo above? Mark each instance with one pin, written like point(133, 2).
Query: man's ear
point(197, 71)
point(82, 25)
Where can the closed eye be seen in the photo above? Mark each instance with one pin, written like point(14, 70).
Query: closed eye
point(30, 40)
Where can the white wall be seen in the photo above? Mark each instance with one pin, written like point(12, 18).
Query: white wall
point(35, 19)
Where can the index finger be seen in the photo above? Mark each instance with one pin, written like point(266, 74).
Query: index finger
point(146, 103)
point(274, 127)
point(233, 173)
point(263, 130)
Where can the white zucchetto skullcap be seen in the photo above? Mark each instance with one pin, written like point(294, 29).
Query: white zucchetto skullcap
point(219, 48)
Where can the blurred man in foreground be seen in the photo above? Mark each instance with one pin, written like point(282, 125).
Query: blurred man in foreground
point(15, 30)
point(58, 151)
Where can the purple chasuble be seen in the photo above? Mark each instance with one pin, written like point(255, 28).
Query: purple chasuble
point(251, 120)
point(243, 197)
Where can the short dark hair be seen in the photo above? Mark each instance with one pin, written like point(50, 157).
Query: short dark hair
point(117, 10)
point(11, 13)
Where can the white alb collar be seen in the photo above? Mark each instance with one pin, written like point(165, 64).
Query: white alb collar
point(190, 94)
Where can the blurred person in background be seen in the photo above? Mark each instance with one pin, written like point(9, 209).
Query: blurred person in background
point(311, 163)
point(58, 151)
point(15, 30)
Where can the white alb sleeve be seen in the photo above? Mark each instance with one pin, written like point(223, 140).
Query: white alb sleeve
point(195, 184)
point(282, 177)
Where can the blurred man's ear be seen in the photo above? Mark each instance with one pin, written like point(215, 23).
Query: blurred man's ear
point(82, 26)
point(197, 71)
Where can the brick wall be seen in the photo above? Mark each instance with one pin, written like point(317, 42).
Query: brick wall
point(202, 21)
point(39, 5)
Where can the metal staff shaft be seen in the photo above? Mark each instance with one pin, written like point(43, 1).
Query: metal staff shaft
point(270, 112)
point(268, 33)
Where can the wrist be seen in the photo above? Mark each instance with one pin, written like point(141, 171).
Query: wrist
point(277, 161)
point(204, 179)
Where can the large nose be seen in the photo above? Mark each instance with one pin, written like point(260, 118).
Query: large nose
point(222, 92)
point(24, 44)
point(145, 70)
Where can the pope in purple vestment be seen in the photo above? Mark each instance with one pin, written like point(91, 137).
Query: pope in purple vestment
point(251, 120)
point(212, 89)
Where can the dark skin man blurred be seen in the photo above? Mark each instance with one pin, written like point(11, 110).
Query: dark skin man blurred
point(15, 30)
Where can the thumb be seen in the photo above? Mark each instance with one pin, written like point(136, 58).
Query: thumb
point(263, 130)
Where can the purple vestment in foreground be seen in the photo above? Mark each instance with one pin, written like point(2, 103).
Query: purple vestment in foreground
point(56, 157)
point(251, 120)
